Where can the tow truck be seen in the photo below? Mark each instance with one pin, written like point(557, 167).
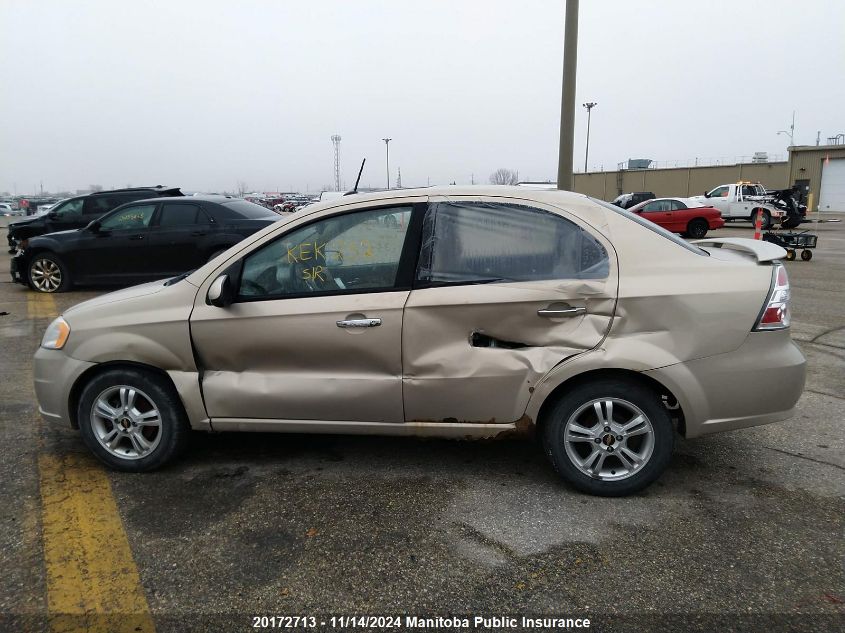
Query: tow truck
point(744, 200)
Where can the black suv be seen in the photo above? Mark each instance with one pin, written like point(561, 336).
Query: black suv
point(628, 200)
point(74, 213)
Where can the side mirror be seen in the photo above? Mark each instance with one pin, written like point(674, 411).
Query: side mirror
point(94, 226)
point(706, 195)
point(52, 215)
point(220, 293)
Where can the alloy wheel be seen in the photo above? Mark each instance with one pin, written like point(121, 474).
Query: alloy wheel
point(609, 439)
point(46, 275)
point(126, 422)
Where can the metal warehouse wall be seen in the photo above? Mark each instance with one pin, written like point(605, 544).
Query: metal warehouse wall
point(683, 181)
point(810, 159)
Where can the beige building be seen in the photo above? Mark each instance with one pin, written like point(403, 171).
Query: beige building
point(819, 167)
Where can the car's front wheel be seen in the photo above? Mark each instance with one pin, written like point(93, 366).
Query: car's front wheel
point(610, 437)
point(48, 273)
point(132, 420)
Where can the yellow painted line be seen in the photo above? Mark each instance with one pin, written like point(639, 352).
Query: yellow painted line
point(92, 580)
point(41, 306)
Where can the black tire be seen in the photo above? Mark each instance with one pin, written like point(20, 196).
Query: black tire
point(47, 273)
point(790, 255)
point(806, 255)
point(643, 398)
point(767, 219)
point(697, 228)
point(173, 426)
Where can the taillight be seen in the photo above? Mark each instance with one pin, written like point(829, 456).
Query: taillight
point(775, 314)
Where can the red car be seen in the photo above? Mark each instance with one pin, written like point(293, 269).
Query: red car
point(687, 217)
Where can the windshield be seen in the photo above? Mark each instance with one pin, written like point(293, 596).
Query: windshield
point(651, 226)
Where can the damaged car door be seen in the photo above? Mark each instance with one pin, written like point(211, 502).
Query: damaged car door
point(314, 331)
point(504, 291)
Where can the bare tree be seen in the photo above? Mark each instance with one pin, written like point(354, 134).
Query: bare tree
point(504, 176)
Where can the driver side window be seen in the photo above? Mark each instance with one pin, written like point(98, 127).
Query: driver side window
point(70, 210)
point(135, 217)
point(350, 252)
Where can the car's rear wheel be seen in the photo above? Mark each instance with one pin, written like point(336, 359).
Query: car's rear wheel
point(48, 273)
point(697, 228)
point(132, 420)
point(766, 222)
point(610, 437)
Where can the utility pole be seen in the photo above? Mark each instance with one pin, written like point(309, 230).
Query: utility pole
point(589, 105)
point(567, 99)
point(387, 158)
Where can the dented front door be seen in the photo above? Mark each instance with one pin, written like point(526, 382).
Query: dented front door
point(504, 293)
point(315, 332)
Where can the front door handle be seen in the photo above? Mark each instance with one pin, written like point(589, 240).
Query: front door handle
point(557, 313)
point(197, 233)
point(355, 323)
point(136, 237)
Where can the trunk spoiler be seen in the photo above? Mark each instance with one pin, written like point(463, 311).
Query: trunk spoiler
point(763, 251)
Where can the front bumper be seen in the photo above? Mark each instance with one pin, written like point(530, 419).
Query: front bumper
point(759, 383)
point(55, 374)
point(18, 269)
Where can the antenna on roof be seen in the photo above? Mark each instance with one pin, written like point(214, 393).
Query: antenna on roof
point(358, 179)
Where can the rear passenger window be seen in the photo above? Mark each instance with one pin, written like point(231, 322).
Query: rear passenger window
point(482, 242)
point(178, 214)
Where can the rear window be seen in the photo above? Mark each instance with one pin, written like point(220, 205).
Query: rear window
point(651, 226)
point(249, 210)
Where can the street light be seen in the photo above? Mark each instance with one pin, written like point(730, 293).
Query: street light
point(589, 105)
point(387, 157)
point(791, 131)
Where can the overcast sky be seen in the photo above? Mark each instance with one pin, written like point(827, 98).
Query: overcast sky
point(205, 94)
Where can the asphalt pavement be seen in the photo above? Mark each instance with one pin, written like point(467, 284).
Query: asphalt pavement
point(745, 529)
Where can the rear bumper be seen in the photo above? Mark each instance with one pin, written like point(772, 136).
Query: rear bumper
point(759, 383)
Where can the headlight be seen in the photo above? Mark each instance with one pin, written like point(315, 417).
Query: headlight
point(56, 335)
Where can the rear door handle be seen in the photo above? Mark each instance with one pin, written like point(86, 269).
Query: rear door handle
point(561, 312)
point(136, 237)
point(355, 323)
point(195, 233)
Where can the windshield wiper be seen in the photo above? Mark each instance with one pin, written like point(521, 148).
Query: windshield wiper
point(178, 278)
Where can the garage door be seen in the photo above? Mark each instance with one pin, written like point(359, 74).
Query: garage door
point(832, 195)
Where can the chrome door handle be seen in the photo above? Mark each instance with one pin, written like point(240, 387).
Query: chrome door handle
point(359, 323)
point(562, 312)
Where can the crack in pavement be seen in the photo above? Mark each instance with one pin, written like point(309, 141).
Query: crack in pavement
point(799, 455)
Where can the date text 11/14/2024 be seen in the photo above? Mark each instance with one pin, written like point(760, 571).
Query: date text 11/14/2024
point(417, 622)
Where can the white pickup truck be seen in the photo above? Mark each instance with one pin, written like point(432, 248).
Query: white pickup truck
point(742, 201)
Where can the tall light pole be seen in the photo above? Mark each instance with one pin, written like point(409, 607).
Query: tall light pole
point(589, 105)
point(791, 131)
point(567, 99)
point(387, 158)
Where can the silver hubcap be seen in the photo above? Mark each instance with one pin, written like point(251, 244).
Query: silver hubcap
point(126, 422)
point(45, 275)
point(609, 439)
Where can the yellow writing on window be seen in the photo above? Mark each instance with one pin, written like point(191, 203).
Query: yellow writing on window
point(306, 252)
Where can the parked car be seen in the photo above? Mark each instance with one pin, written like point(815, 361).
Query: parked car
point(690, 218)
point(74, 213)
point(628, 200)
point(6, 209)
point(488, 312)
point(143, 240)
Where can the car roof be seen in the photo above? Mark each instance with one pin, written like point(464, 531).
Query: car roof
point(551, 196)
